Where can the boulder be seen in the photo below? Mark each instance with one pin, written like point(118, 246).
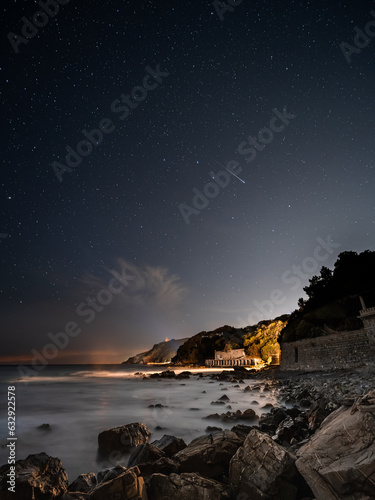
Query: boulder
point(165, 374)
point(38, 477)
point(318, 411)
point(339, 460)
point(209, 455)
point(129, 485)
point(74, 495)
point(143, 454)
point(186, 486)
point(123, 438)
point(241, 430)
point(169, 444)
point(262, 469)
point(248, 415)
point(83, 483)
point(164, 465)
point(110, 473)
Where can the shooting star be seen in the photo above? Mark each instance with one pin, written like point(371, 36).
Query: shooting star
point(231, 172)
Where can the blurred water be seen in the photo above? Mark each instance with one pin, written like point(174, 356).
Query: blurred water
point(79, 401)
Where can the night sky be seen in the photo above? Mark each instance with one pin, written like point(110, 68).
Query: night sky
point(113, 250)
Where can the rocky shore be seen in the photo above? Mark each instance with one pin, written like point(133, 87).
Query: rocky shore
point(317, 443)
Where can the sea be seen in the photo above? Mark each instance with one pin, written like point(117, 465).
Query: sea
point(80, 401)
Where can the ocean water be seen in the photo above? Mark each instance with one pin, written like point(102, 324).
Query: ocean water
point(80, 401)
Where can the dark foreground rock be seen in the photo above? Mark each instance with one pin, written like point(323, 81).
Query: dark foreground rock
point(84, 483)
point(262, 469)
point(145, 453)
point(186, 486)
point(339, 460)
point(129, 485)
point(38, 477)
point(169, 444)
point(123, 438)
point(209, 455)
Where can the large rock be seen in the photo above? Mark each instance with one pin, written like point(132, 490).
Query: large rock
point(169, 444)
point(38, 477)
point(83, 483)
point(143, 454)
point(262, 469)
point(339, 460)
point(129, 485)
point(209, 455)
point(186, 486)
point(163, 465)
point(123, 438)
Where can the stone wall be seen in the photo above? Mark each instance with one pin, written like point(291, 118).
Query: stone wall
point(232, 354)
point(341, 350)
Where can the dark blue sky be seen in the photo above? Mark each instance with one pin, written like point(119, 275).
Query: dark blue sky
point(178, 93)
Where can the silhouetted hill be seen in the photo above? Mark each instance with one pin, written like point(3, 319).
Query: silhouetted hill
point(160, 353)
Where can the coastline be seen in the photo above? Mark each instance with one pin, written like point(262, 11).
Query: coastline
point(306, 400)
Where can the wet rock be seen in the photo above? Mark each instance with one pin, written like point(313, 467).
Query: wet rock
point(169, 444)
point(123, 438)
point(185, 486)
point(110, 473)
point(224, 397)
point(267, 406)
point(164, 465)
point(247, 389)
point(44, 427)
point(273, 418)
point(318, 411)
point(37, 477)
point(241, 430)
point(262, 469)
point(211, 428)
point(183, 375)
point(248, 415)
point(209, 455)
point(144, 453)
point(165, 374)
point(339, 460)
point(129, 485)
point(84, 483)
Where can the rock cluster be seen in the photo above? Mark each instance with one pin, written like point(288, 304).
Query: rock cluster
point(321, 445)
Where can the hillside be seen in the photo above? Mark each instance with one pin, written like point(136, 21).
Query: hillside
point(333, 302)
point(258, 341)
point(160, 353)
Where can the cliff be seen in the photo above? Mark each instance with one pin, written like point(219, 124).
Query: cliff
point(259, 340)
point(160, 353)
